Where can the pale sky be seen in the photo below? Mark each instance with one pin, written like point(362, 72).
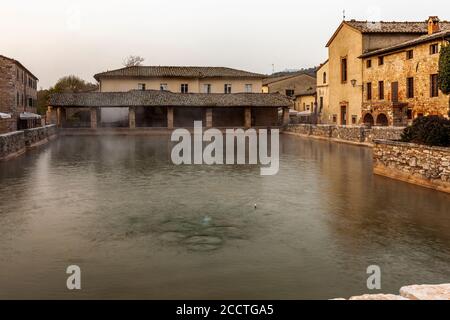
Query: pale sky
point(83, 37)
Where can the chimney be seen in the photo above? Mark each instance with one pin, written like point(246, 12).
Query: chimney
point(433, 25)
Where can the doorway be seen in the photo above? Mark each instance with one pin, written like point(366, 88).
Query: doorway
point(344, 115)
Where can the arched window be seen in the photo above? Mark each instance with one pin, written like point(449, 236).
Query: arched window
point(324, 77)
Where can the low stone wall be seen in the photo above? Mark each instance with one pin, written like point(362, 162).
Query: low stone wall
point(418, 164)
point(352, 134)
point(39, 135)
point(15, 143)
point(12, 144)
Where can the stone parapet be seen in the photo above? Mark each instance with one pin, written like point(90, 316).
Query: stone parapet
point(418, 164)
point(15, 143)
point(351, 134)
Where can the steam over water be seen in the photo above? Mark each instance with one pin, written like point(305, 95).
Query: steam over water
point(140, 227)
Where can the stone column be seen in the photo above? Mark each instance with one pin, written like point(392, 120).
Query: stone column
point(170, 117)
point(285, 116)
point(248, 118)
point(60, 117)
point(209, 121)
point(94, 118)
point(51, 116)
point(132, 117)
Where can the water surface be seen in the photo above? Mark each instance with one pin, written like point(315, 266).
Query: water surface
point(140, 227)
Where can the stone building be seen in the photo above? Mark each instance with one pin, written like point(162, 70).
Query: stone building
point(177, 79)
point(346, 67)
point(290, 85)
point(405, 86)
point(306, 100)
point(18, 94)
point(180, 79)
point(323, 110)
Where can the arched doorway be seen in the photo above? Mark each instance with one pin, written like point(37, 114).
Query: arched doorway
point(368, 119)
point(382, 120)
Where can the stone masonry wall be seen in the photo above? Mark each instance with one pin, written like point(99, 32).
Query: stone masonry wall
point(418, 164)
point(15, 143)
point(353, 134)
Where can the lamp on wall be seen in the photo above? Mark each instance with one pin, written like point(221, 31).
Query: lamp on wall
point(353, 82)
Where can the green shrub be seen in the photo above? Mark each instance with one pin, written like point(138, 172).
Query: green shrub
point(430, 130)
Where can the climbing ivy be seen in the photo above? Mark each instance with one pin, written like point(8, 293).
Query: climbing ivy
point(444, 69)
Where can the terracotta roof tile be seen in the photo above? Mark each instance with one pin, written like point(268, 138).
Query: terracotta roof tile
point(180, 72)
point(149, 98)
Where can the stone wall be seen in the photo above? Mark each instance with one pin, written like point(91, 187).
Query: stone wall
point(418, 164)
point(397, 68)
point(15, 143)
point(12, 144)
point(351, 134)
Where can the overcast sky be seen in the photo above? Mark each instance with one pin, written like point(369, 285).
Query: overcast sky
point(84, 37)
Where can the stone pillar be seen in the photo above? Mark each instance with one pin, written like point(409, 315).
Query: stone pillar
point(170, 117)
point(132, 117)
point(94, 118)
point(51, 116)
point(285, 116)
point(60, 117)
point(209, 121)
point(248, 118)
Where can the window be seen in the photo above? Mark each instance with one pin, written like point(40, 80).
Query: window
point(434, 48)
point(206, 88)
point(289, 92)
point(184, 88)
point(409, 114)
point(321, 103)
point(394, 91)
point(409, 54)
point(163, 87)
point(369, 91)
point(410, 88)
point(354, 118)
point(227, 88)
point(22, 102)
point(304, 106)
point(141, 86)
point(369, 63)
point(324, 77)
point(434, 85)
point(380, 61)
point(30, 102)
point(344, 70)
point(17, 99)
point(381, 90)
point(249, 88)
point(334, 118)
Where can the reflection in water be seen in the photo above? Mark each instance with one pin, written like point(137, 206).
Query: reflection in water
point(140, 227)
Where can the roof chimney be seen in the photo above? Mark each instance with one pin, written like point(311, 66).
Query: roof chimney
point(433, 25)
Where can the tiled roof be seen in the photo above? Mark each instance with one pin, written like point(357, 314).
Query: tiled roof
point(410, 43)
point(408, 27)
point(20, 65)
point(394, 27)
point(307, 91)
point(149, 98)
point(180, 72)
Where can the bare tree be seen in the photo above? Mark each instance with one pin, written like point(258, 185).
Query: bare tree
point(132, 61)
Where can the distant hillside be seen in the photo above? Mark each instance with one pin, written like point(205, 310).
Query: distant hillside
point(310, 71)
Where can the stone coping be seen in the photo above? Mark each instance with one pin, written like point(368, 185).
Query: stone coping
point(410, 145)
